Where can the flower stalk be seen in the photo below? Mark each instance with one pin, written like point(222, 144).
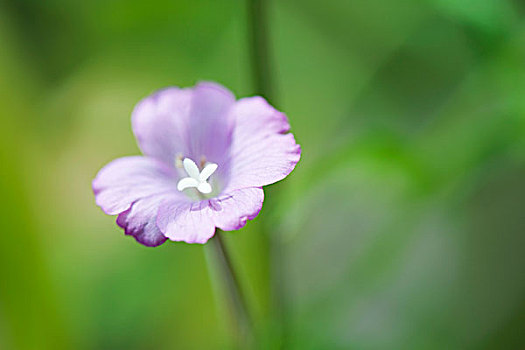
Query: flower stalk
point(263, 81)
point(259, 43)
point(222, 262)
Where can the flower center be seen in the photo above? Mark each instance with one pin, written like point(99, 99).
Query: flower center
point(196, 179)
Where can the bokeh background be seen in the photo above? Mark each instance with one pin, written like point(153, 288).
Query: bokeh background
point(403, 226)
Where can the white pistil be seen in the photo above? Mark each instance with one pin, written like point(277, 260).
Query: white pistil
point(196, 179)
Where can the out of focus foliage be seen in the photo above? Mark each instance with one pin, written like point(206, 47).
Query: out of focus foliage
point(403, 226)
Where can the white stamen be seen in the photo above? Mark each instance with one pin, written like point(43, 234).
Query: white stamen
point(187, 182)
point(207, 171)
point(196, 179)
point(191, 168)
point(204, 187)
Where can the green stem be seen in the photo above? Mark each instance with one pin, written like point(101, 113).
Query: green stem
point(261, 64)
point(262, 74)
point(231, 282)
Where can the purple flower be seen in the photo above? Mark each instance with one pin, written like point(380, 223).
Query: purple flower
point(206, 158)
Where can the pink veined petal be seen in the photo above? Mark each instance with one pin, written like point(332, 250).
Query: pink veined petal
point(140, 221)
point(232, 211)
point(187, 222)
point(125, 180)
point(196, 222)
point(193, 122)
point(211, 124)
point(262, 151)
point(160, 123)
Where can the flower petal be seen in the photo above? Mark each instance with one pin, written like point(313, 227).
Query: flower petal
point(140, 221)
point(125, 180)
point(185, 221)
point(192, 122)
point(196, 222)
point(262, 151)
point(231, 211)
point(160, 123)
point(211, 124)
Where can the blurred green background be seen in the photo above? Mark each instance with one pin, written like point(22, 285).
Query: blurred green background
point(403, 226)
